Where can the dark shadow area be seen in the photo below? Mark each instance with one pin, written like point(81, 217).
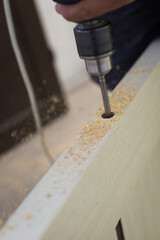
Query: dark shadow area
point(16, 120)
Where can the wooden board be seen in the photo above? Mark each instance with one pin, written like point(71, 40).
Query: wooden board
point(94, 183)
point(142, 212)
point(94, 208)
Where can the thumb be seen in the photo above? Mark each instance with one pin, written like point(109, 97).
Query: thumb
point(88, 9)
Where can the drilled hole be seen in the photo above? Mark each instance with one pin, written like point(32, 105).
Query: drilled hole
point(104, 115)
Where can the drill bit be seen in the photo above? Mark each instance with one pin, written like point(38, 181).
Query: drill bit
point(105, 97)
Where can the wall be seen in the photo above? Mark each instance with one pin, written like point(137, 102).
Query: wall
point(60, 38)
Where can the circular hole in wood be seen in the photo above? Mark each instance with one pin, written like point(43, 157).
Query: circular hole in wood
point(104, 115)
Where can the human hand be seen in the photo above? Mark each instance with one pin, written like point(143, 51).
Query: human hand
point(89, 9)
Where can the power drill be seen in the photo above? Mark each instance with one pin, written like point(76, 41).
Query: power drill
point(95, 46)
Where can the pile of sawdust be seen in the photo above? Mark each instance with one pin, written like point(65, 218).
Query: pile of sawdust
point(95, 130)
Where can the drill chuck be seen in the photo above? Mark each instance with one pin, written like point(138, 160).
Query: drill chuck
point(95, 45)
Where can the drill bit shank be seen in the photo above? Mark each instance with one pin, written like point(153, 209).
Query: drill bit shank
point(105, 97)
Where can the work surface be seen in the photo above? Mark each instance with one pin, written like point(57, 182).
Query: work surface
point(100, 166)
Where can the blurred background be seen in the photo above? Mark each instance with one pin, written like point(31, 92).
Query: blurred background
point(65, 96)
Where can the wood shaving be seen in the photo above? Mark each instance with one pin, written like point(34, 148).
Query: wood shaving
point(140, 70)
point(55, 99)
point(48, 195)
point(67, 164)
point(10, 227)
point(1, 222)
point(31, 163)
point(27, 216)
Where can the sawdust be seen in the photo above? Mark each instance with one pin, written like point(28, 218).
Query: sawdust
point(67, 164)
point(48, 195)
point(140, 70)
point(10, 227)
point(27, 216)
point(55, 99)
point(1, 223)
point(95, 130)
point(51, 109)
point(31, 163)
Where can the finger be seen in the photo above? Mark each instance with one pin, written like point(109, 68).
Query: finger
point(88, 9)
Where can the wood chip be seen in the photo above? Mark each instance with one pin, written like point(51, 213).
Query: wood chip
point(1, 222)
point(27, 216)
point(10, 227)
point(31, 163)
point(48, 195)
